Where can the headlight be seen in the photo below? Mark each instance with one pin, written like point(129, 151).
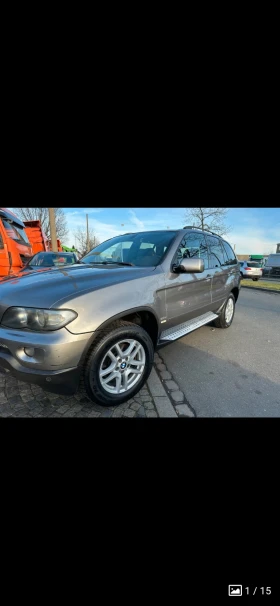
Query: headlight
point(37, 319)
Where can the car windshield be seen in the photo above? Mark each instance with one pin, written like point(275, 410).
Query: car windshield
point(144, 249)
point(16, 232)
point(254, 264)
point(52, 260)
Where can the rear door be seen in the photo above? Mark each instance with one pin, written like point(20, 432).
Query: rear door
point(218, 269)
point(188, 295)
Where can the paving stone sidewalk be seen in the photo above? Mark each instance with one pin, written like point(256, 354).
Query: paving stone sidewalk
point(160, 397)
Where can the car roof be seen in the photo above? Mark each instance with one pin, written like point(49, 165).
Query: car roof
point(163, 231)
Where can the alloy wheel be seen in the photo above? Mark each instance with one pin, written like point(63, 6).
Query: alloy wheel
point(122, 366)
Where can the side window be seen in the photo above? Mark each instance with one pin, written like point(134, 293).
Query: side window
point(217, 254)
point(193, 246)
point(1, 242)
point(231, 258)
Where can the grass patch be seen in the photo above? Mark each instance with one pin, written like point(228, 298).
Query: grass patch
point(261, 284)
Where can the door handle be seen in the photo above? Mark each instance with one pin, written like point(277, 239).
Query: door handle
point(208, 276)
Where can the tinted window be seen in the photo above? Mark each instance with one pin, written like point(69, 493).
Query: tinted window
point(217, 254)
point(253, 264)
point(193, 246)
point(231, 258)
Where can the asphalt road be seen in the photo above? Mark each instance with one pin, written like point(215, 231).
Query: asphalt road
point(232, 372)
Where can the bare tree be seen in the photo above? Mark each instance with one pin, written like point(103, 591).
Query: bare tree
point(81, 235)
point(212, 219)
point(42, 214)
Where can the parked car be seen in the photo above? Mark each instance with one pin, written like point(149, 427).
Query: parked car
point(50, 259)
point(97, 324)
point(43, 261)
point(251, 270)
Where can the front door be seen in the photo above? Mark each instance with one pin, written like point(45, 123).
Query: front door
point(188, 295)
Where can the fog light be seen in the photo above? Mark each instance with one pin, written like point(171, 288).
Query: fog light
point(30, 351)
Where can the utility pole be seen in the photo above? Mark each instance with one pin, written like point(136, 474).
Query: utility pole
point(53, 229)
point(87, 235)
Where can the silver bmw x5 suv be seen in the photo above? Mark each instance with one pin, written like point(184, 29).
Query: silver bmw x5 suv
point(96, 324)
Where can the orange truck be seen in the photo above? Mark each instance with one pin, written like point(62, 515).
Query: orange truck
point(38, 239)
point(59, 245)
point(15, 248)
point(36, 236)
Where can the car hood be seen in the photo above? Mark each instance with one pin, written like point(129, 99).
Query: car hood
point(45, 289)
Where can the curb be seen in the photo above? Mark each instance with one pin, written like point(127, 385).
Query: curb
point(277, 292)
point(164, 390)
point(163, 404)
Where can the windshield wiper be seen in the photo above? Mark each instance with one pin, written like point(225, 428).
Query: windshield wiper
point(107, 263)
point(116, 263)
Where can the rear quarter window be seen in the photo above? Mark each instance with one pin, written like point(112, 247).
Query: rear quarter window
point(230, 255)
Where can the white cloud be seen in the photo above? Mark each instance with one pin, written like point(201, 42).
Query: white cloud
point(135, 221)
point(253, 241)
point(103, 231)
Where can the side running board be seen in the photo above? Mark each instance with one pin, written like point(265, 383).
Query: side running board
point(182, 329)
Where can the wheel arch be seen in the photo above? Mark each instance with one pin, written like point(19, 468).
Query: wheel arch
point(235, 292)
point(143, 316)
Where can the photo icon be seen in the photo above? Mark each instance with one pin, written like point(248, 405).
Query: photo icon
point(235, 590)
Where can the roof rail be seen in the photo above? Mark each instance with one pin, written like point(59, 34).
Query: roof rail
point(200, 229)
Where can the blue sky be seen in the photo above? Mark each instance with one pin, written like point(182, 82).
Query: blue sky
point(254, 230)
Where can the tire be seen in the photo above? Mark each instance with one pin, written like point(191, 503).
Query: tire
point(99, 365)
point(255, 279)
point(223, 321)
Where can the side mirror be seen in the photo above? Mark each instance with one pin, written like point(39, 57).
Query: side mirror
point(191, 266)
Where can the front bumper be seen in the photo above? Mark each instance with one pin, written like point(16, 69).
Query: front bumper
point(252, 274)
point(64, 382)
point(55, 364)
